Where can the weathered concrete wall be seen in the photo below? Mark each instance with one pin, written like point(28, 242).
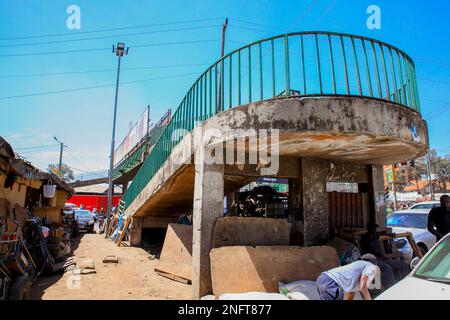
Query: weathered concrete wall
point(315, 201)
point(208, 207)
point(136, 232)
point(379, 201)
point(340, 129)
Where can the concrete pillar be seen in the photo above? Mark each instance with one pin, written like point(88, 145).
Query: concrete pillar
point(379, 203)
point(315, 201)
point(136, 232)
point(208, 206)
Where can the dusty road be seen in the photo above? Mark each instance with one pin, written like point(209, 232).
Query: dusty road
point(132, 278)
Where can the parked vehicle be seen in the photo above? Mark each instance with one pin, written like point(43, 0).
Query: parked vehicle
point(85, 221)
point(416, 224)
point(425, 206)
point(430, 278)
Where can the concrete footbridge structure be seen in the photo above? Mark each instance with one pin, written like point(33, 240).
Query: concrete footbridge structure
point(313, 107)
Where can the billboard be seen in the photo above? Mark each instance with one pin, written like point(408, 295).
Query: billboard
point(134, 136)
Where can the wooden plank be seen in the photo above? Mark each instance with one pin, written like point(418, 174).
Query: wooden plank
point(123, 232)
point(338, 211)
point(354, 210)
point(173, 277)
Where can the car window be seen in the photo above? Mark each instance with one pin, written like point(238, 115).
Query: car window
point(423, 206)
point(436, 266)
point(83, 214)
point(408, 220)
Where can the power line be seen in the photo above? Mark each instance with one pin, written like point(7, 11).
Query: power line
point(101, 70)
point(107, 36)
point(433, 80)
point(37, 147)
point(103, 49)
point(79, 162)
point(303, 14)
point(110, 29)
point(94, 87)
point(252, 23)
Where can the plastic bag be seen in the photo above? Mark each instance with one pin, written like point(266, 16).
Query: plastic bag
point(306, 287)
point(253, 296)
point(49, 190)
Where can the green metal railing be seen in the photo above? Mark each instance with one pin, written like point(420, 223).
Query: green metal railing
point(294, 64)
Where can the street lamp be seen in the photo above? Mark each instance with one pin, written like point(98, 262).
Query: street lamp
point(120, 51)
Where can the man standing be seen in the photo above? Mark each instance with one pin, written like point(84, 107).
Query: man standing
point(342, 283)
point(439, 219)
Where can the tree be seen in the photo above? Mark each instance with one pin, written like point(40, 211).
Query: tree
point(66, 172)
point(417, 172)
point(441, 168)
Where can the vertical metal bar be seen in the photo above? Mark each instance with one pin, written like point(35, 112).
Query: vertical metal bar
point(286, 62)
point(200, 99)
point(347, 85)
point(239, 77)
point(261, 95)
point(394, 75)
point(380, 93)
point(215, 85)
point(408, 81)
point(222, 85)
point(249, 74)
point(386, 79)
point(230, 96)
point(303, 64)
point(402, 90)
point(195, 110)
point(333, 76)
point(318, 63)
point(358, 76)
point(210, 92)
point(369, 80)
point(414, 86)
point(205, 95)
point(273, 68)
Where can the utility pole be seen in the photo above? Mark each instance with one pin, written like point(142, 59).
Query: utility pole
point(119, 51)
point(394, 189)
point(222, 53)
point(60, 156)
point(430, 181)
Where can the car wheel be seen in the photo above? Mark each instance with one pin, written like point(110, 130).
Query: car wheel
point(20, 289)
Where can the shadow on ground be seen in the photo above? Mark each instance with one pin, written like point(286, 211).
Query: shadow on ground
point(46, 280)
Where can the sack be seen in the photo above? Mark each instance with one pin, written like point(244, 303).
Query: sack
point(252, 296)
point(49, 190)
point(307, 288)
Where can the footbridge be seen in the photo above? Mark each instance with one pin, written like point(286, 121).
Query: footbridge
point(313, 107)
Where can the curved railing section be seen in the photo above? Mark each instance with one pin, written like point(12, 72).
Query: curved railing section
point(294, 64)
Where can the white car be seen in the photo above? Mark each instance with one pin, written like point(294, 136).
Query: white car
point(416, 224)
point(429, 280)
point(423, 207)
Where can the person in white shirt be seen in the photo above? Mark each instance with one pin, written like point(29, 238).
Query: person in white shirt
point(343, 282)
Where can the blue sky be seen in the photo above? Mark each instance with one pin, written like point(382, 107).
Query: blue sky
point(82, 119)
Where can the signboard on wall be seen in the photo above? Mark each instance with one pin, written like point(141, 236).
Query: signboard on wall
point(134, 136)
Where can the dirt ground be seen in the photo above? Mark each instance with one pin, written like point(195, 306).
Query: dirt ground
point(132, 278)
